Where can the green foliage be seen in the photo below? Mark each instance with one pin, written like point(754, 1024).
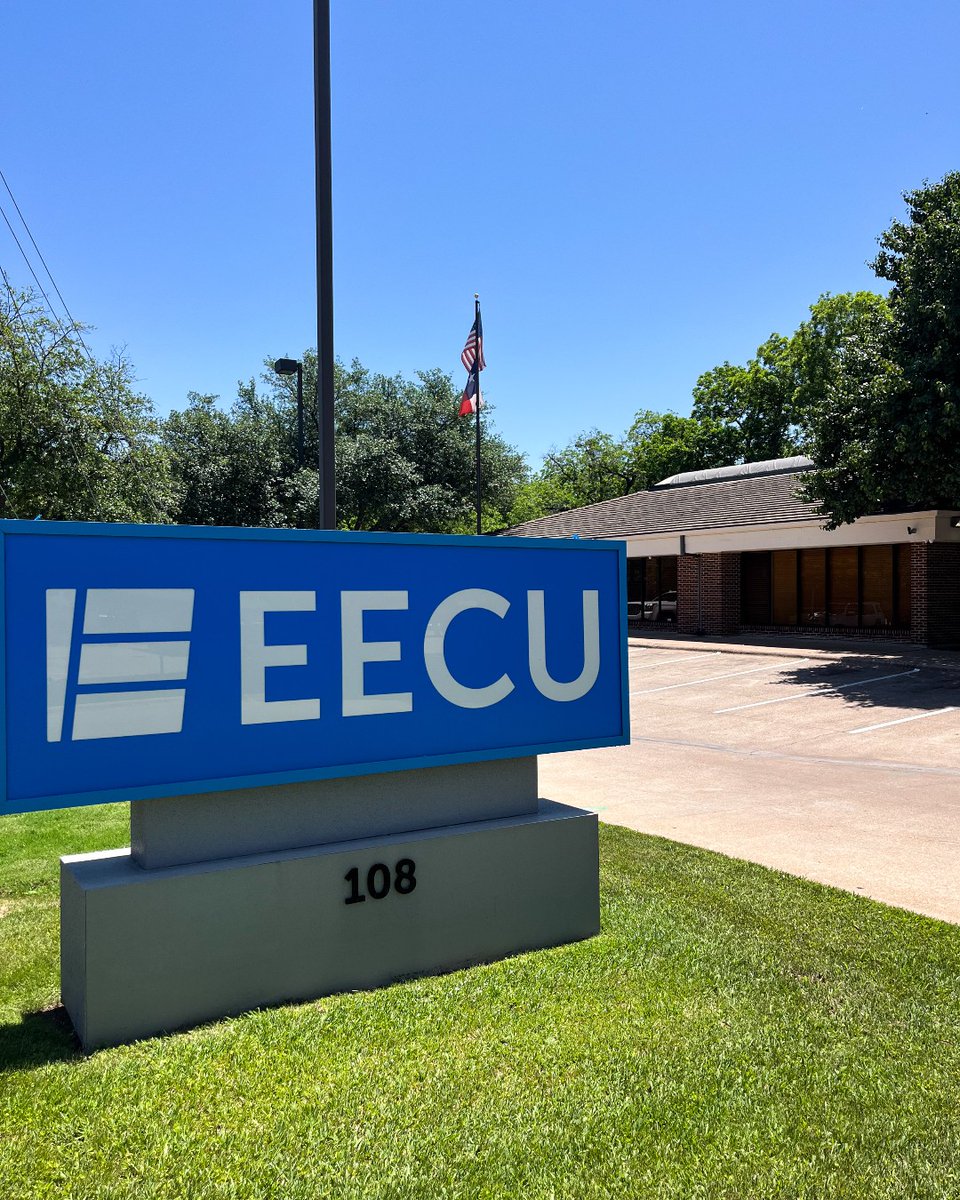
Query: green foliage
point(76, 441)
point(405, 460)
point(539, 497)
point(663, 444)
point(756, 402)
point(227, 465)
point(732, 1032)
point(843, 351)
point(885, 436)
point(596, 466)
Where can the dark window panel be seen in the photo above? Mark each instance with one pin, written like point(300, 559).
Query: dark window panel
point(813, 587)
point(784, 572)
point(878, 586)
point(755, 587)
point(844, 588)
point(635, 579)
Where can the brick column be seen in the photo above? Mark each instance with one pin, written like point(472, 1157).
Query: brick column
point(918, 592)
point(688, 620)
point(708, 593)
point(935, 594)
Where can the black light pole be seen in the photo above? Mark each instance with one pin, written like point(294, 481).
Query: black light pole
point(321, 88)
point(290, 366)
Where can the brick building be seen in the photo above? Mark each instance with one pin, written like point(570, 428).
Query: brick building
point(737, 550)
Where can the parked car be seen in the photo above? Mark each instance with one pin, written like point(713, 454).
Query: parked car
point(661, 608)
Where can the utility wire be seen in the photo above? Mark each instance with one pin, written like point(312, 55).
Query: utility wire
point(76, 330)
point(23, 221)
point(26, 259)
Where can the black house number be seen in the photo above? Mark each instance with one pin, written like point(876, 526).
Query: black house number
point(379, 881)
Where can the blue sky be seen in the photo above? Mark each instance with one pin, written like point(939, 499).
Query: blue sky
point(638, 191)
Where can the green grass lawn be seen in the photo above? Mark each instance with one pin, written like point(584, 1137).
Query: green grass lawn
point(732, 1032)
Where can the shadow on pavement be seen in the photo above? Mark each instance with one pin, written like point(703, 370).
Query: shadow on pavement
point(868, 681)
point(924, 678)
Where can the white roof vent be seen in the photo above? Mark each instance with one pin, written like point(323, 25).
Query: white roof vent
point(773, 466)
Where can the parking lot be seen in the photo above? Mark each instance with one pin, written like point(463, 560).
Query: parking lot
point(839, 764)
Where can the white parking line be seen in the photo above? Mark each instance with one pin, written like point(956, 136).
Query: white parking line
point(819, 691)
point(709, 678)
point(662, 662)
point(903, 720)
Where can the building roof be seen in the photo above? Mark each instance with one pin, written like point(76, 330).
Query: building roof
point(751, 499)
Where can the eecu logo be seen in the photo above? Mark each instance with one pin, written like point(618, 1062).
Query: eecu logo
point(116, 682)
point(114, 673)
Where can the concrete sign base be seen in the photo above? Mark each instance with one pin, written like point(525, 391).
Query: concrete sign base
point(182, 829)
point(148, 951)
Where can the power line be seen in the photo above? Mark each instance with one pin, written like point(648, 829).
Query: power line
point(23, 221)
point(26, 259)
point(77, 332)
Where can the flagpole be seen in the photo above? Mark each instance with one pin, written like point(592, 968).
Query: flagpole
point(476, 367)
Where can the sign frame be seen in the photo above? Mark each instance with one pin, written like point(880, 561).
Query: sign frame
point(15, 528)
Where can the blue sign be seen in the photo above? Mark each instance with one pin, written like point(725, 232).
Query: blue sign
point(148, 661)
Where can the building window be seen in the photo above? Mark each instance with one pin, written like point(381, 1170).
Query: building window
point(756, 588)
point(784, 572)
point(853, 587)
point(652, 589)
point(813, 587)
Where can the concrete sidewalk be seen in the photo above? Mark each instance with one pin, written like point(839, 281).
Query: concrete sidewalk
point(787, 787)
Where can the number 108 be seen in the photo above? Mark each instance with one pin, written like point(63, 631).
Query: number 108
point(379, 881)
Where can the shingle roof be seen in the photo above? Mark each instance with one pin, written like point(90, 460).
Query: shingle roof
point(754, 500)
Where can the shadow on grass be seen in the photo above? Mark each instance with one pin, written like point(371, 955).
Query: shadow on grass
point(865, 681)
point(37, 1039)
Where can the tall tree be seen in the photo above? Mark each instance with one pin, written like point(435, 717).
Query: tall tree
point(664, 444)
point(846, 374)
point(77, 442)
point(595, 466)
point(756, 401)
point(405, 460)
point(227, 465)
point(886, 434)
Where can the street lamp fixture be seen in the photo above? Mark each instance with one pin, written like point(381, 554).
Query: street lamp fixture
point(290, 366)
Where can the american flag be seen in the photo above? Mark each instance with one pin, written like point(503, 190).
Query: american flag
point(471, 397)
point(475, 338)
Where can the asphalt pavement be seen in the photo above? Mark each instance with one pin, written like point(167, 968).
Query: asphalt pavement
point(839, 762)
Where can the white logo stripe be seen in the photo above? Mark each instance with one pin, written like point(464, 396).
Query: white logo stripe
point(138, 610)
point(133, 662)
point(60, 605)
point(127, 714)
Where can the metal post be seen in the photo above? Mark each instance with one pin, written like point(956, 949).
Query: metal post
point(326, 462)
point(476, 401)
point(300, 416)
